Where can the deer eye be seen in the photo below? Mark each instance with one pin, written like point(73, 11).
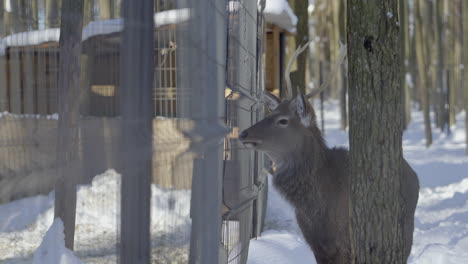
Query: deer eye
point(283, 121)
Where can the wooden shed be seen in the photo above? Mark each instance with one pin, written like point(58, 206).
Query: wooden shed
point(29, 67)
point(29, 72)
point(280, 23)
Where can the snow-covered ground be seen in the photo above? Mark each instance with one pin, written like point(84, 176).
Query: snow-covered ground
point(441, 234)
point(23, 224)
point(441, 228)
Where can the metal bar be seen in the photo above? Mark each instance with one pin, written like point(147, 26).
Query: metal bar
point(204, 49)
point(136, 68)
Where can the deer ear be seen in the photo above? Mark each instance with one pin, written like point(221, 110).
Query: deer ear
point(303, 110)
point(270, 100)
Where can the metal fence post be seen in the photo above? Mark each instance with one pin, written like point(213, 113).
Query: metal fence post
point(136, 68)
point(204, 52)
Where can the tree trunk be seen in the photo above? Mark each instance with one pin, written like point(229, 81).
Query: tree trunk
point(298, 79)
point(69, 114)
point(422, 71)
point(7, 17)
point(2, 22)
point(452, 63)
point(375, 130)
point(34, 10)
point(343, 100)
point(52, 13)
point(439, 54)
point(105, 9)
point(465, 69)
point(404, 46)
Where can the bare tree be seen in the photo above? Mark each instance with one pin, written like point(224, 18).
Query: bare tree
point(404, 46)
point(52, 13)
point(105, 9)
point(302, 36)
point(376, 206)
point(421, 55)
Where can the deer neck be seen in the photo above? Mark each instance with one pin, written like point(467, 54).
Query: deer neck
point(297, 175)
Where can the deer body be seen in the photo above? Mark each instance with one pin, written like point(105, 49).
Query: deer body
point(315, 178)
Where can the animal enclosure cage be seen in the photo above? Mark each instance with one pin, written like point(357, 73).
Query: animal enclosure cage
point(141, 116)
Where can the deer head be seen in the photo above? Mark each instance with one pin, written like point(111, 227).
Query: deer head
point(282, 132)
point(291, 123)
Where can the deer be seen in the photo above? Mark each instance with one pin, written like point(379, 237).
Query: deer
point(314, 178)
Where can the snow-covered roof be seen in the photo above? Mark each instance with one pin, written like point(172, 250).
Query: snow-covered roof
point(279, 12)
point(95, 28)
point(104, 27)
point(29, 38)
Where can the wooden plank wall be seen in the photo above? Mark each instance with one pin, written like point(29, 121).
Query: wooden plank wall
point(28, 76)
point(15, 82)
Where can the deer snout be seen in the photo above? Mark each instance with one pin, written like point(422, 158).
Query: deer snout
point(249, 141)
point(243, 135)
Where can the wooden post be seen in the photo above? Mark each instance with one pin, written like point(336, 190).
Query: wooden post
point(28, 81)
point(41, 87)
point(3, 84)
point(15, 81)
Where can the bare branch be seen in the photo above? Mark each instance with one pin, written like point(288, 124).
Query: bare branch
point(336, 67)
point(299, 50)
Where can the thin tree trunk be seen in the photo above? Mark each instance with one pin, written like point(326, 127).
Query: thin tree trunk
point(52, 13)
point(334, 29)
point(406, 107)
point(87, 11)
point(422, 72)
point(465, 69)
point(375, 132)
point(343, 92)
point(34, 10)
point(17, 17)
point(439, 55)
point(7, 17)
point(105, 9)
point(2, 15)
point(452, 63)
point(298, 79)
point(69, 114)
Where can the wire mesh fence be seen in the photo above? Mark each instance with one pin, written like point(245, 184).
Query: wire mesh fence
point(131, 130)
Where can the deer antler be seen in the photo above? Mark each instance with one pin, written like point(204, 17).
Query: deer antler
point(299, 50)
point(339, 61)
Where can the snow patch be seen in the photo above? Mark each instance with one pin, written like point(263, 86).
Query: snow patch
point(24, 223)
point(52, 249)
point(279, 12)
point(5, 114)
point(19, 214)
point(279, 247)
